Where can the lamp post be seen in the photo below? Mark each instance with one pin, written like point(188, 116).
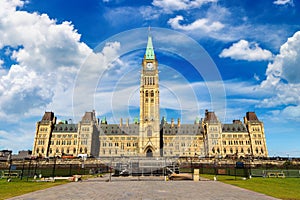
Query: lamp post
point(22, 173)
point(110, 170)
point(250, 163)
point(53, 170)
point(28, 171)
point(9, 166)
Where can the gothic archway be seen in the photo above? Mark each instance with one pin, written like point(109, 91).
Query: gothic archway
point(149, 153)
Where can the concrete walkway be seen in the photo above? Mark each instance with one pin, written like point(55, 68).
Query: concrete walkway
point(143, 188)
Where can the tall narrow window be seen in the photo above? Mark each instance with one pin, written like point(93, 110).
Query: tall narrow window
point(146, 93)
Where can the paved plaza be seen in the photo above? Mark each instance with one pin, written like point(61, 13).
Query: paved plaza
point(123, 188)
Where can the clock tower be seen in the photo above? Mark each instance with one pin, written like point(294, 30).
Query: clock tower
point(149, 140)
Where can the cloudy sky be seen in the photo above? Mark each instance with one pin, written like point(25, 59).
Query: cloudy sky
point(225, 56)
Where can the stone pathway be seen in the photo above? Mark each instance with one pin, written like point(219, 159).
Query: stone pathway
point(145, 188)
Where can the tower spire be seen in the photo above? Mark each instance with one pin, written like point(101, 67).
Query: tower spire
point(149, 50)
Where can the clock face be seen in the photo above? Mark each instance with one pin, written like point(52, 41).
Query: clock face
point(149, 65)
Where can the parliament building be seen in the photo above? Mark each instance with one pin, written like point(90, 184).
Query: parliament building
point(150, 135)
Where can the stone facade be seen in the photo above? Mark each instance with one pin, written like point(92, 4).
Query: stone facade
point(62, 139)
point(147, 136)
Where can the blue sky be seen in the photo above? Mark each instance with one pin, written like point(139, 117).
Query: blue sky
point(226, 56)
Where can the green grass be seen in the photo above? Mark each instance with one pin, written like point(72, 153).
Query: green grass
point(283, 188)
point(18, 187)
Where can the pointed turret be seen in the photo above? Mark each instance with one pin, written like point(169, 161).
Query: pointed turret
point(150, 50)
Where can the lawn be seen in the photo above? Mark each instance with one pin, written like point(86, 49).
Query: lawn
point(283, 188)
point(18, 187)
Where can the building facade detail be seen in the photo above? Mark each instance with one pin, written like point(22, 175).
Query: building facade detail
point(148, 136)
point(149, 133)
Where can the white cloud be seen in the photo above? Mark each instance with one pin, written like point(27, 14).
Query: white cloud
point(203, 24)
point(283, 2)
point(243, 50)
point(286, 63)
point(283, 78)
point(176, 5)
point(292, 112)
point(48, 57)
point(13, 141)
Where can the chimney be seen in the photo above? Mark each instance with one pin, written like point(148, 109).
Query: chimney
point(178, 122)
point(127, 122)
point(121, 122)
point(172, 122)
point(206, 112)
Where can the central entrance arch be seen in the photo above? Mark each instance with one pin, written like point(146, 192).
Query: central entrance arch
point(149, 153)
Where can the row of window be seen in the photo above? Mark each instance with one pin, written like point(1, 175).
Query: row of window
point(169, 139)
point(115, 152)
point(181, 132)
point(236, 151)
point(63, 142)
point(151, 93)
point(182, 144)
point(43, 129)
point(258, 135)
point(65, 129)
point(119, 132)
point(236, 142)
point(258, 142)
point(85, 128)
point(117, 138)
point(116, 144)
point(67, 150)
point(64, 136)
point(256, 129)
point(214, 135)
point(149, 80)
point(41, 142)
point(151, 100)
point(213, 129)
point(236, 135)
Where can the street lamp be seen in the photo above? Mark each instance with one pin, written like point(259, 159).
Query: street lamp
point(54, 164)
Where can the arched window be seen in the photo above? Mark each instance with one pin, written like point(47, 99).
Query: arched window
point(224, 150)
point(213, 150)
point(152, 93)
point(248, 150)
point(74, 150)
point(218, 150)
point(256, 150)
point(262, 151)
point(85, 150)
point(80, 150)
point(37, 150)
point(146, 93)
point(43, 150)
point(231, 151)
point(149, 133)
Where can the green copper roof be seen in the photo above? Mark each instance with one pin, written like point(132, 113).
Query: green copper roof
point(136, 120)
point(150, 51)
